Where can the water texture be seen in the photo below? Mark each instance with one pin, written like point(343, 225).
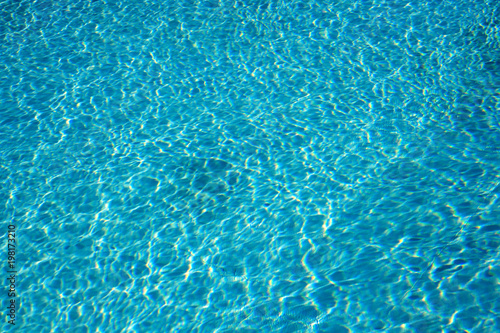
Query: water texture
point(252, 166)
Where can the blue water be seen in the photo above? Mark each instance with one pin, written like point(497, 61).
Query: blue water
point(252, 166)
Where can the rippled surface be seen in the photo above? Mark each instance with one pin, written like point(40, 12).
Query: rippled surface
point(251, 166)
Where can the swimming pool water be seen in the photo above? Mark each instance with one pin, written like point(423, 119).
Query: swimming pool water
point(252, 166)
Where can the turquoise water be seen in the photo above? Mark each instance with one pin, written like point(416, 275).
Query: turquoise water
point(252, 166)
